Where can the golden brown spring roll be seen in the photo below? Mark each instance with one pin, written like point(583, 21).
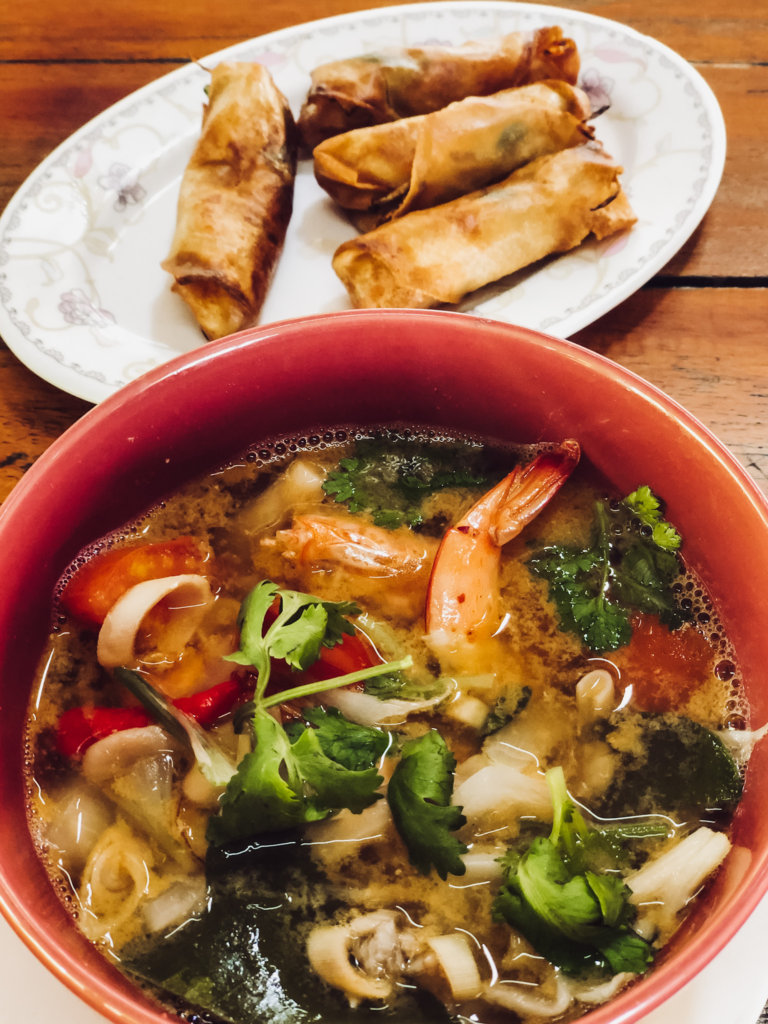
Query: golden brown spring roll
point(429, 159)
point(235, 201)
point(381, 87)
point(439, 255)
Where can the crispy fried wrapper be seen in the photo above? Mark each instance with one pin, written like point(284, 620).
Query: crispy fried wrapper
point(235, 201)
point(435, 256)
point(380, 87)
point(417, 162)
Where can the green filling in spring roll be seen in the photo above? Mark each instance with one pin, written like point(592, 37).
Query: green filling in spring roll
point(376, 88)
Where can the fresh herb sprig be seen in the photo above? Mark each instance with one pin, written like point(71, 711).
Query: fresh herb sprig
point(288, 780)
point(564, 897)
point(630, 563)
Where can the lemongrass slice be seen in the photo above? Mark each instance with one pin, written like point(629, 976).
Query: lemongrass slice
point(186, 598)
point(662, 886)
point(483, 867)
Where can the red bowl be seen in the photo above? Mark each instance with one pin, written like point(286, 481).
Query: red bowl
point(426, 368)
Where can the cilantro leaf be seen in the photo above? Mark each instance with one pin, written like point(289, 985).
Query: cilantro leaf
point(390, 480)
point(629, 564)
point(282, 784)
point(572, 907)
point(624, 951)
point(333, 784)
point(419, 795)
point(563, 900)
point(351, 745)
point(511, 906)
point(612, 896)
point(266, 790)
point(641, 580)
point(303, 624)
point(647, 507)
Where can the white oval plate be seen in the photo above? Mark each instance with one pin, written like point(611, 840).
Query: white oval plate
point(84, 302)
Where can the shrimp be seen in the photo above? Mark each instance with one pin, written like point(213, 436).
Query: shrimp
point(463, 593)
point(405, 574)
point(338, 557)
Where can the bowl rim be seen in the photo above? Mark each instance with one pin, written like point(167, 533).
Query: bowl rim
point(660, 984)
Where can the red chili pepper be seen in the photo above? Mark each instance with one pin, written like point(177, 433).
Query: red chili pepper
point(80, 727)
point(207, 706)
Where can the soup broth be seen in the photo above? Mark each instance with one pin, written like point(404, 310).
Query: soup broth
point(386, 724)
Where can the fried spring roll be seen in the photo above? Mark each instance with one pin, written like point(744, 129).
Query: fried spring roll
point(235, 201)
point(381, 87)
point(441, 254)
point(429, 159)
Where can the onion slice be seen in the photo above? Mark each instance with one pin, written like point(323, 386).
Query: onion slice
point(365, 709)
point(458, 964)
point(191, 598)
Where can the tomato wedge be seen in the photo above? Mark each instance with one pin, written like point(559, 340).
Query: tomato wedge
point(104, 578)
point(352, 654)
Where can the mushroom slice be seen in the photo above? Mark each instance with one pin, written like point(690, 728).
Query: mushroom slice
point(334, 952)
point(295, 490)
point(521, 999)
point(117, 874)
point(116, 755)
point(185, 600)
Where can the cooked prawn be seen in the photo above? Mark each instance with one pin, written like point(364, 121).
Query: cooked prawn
point(463, 592)
point(397, 571)
point(339, 555)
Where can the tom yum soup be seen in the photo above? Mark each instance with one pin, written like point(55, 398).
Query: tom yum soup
point(387, 725)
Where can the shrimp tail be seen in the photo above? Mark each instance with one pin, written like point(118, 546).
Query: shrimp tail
point(463, 592)
point(530, 488)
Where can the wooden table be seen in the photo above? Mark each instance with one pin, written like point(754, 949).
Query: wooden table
point(697, 330)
